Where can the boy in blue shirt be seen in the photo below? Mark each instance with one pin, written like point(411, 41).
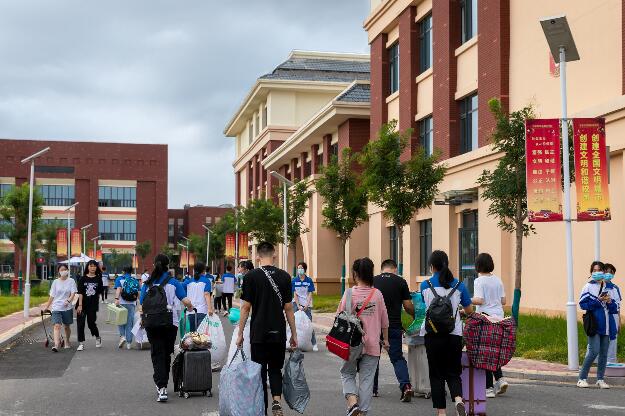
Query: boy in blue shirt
point(303, 288)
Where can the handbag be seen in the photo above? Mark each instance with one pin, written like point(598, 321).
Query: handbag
point(345, 337)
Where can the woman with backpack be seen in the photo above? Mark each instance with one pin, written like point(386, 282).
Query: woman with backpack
point(199, 292)
point(368, 304)
point(219, 285)
point(126, 294)
point(89, 289)
point(443, 296)
point(159, 317)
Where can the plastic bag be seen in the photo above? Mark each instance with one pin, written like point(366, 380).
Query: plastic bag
point(304, 328)
point(419, 314)
point(212, 328)
point(247, 349)
point(241, 388)
point(138, 332)
point(294, 385)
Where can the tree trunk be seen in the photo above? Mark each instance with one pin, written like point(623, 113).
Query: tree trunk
point(518, 265)
point(295, 259)
point(343, 277)
point(400, 248)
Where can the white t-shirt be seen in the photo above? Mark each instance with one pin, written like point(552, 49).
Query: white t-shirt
point(61, 290)
point(490, 289)
point(145, 277)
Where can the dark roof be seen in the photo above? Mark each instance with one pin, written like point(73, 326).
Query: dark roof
point(357, 93)
point(320, 69)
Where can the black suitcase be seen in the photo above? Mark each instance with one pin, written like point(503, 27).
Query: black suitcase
point(197, 375)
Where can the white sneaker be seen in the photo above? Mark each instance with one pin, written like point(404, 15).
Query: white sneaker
point(501, 387)
point(162, 395)
point(98, 342)
point(122, 341)
point(81, 347)
point(582, 384)
point(602, 384)
point(490, 393)
point(128, 346)
point(315, 348)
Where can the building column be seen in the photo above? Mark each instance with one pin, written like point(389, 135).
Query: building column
point(237, 196)
point(249, 181)
point(380, 79)
point(327, 143)
point(408, 69)
point(263, 173)
point(255, 176)
point(293, 176)
point(302, 171)
point(314, 168)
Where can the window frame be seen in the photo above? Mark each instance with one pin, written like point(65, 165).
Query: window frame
point(426, 127)
point(469, 124)
point(425, 44)
point(393, 239)
point(393, 67)
point(425, 245)
point(468, 17)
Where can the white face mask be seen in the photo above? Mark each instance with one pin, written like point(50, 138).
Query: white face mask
point(300, 271)
point(64, 273)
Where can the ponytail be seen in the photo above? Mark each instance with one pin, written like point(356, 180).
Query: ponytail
point(198, 269)
point(363, 268)
point(440, 263)
point(161, 265)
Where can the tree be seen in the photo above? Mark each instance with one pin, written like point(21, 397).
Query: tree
point(344, 199)
point(14, 212)
point(47, 240)
point(171, 253)
point(197, 246)
point(119, 260)
point(401, 188)
point(263, 219)
point(143, 250)
point(297, 202)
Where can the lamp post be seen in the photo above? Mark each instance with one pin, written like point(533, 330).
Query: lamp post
point(69, 231)
point(84, 242)
point(286, 184)
point(95, 247)
point(30, 159)
point(187, 248)
point(563, 49)
point(208, 243)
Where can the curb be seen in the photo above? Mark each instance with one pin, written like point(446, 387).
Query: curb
point(8, 337)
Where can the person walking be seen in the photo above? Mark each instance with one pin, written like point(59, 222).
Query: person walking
point(105, 282)
point(217, 293)
point(145, 276)
point(89, 289)
point(59, 303)
point(489, 297)
point(230, 282)
point(609, 272)
point(245, 266)
point(443, 343)
point(396, 295)
point(369, 302)
point(163, 337)
point(126, 295)
point(303, 287)
point(595, 299)
point(267, 294)
point(199, 292)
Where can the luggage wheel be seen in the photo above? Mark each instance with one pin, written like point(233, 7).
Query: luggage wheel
point(180, 394)
point(186, 395)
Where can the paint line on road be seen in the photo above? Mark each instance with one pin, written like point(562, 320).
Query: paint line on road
point(604, 407)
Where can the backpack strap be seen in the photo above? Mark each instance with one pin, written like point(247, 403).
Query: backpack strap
point(365, 303)
point(348, 301)
point(167, 279)
point(453, 290)
point(273, 284)
point(436, 295)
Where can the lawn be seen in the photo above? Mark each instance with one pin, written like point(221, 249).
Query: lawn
point(10, 304)
point(326, 303)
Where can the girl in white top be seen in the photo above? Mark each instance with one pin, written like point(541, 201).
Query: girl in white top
point(489, 296)
point(62, 293)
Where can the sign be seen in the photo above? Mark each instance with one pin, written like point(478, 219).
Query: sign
point(542, 161)
point(135, 263)
point(91, 254)
point(183, 259)
point(76, 249)
point(61, 242)
point(191, 260)
point(98, 255)
point(230, 245)
point(243, 246)
point(591, 169)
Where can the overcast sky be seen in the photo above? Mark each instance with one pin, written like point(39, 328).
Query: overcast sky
point(155, 71)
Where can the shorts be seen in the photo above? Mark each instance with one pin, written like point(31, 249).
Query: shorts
point(63, 317)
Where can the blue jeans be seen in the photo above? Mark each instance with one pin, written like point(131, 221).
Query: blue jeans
point(396, 355)
point(308, 313)
point(598, 346)
point(126, 330)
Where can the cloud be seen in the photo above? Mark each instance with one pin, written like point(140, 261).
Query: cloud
point(156, 71)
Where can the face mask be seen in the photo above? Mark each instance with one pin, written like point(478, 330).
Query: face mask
point(63, 273)
point(608, 276)
point(239, 275)
point(300, 272)
point(597, 276)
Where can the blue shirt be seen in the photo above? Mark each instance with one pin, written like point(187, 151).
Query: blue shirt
point(301, 289)
point(195, 292)
point(173, 289)
point(460, 297)
point(230, 282)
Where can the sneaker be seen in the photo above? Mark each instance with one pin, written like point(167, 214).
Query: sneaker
point(276, 409)
point(376, 394)
point(315, 348)
point(602, 384)
point(122, 341)
point(67, 346)
point(98, 342)
point(81, 347)
point(55, 349)
point(161, 395)
point(490, 393)
point(128, 346)
point(501, 387)
point(406, 395)
point(460, 410)
point(582, 384)
point(353, 411)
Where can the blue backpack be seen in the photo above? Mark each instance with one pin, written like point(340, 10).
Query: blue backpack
point(130, 289)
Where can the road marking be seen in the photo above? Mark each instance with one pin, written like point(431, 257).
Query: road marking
point(604, 407)
point(210, 414)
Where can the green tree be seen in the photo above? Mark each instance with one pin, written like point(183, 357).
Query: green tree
point(344, 199)
point(171, 253)
point(401, 188)
point(47, 241)
point(143, 250)
point(263, 219)
point(297, 202)
point(14, 212)
point(197, 246)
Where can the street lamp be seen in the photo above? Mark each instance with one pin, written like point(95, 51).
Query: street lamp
point(30, 159)
point(95, 247)
point(208, 243)
point(286, 183)
point(69, 235)
point(563, 49)
point(84, 243)
point(187, 248)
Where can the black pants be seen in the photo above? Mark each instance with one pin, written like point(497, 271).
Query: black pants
point(105, 292)
point(489, 377)
point(90, 315)
point(217, 303)
point(161, 348)
point(227, 297)
point(271, 357)
point(444, 362)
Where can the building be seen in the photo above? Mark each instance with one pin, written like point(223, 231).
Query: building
point(121, 189)
point(190, 219)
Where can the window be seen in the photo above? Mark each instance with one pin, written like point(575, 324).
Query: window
point(334, 149)
point(208, 220)
point(426, 135)
point(319, 162)
point(468, 15)
point(264, 116)
point(58, 222)
point(425, 246)
point(468, 124)
point(5, 227)
point(57, 195)
point(250, 133)
point(118, 230)
point(425, 43)
point(5, 188)
point(393, 243)
point(393, 59)
point(117, 196)
point(256, 125)
point(180, 229)
point(170, 231)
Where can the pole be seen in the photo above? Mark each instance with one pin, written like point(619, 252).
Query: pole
point(286, 237)
point(29, 241)
point(597, 240)
point(208, 245)
point(236, 239)
point(69, 240)
point(571, 305)
point(84, 248)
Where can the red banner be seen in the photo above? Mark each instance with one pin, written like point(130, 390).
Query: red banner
point(135, 262)
point(230, 245)
point(75, 245)
point(61, 242)
point(243, 246)
point(191, 260)
point(183, 258)
point(542, 158)
point(591, 169)
point(91, 254)
point(98, 255)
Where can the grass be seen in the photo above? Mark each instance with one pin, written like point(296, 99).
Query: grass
point(10, 304)
point(326, 303)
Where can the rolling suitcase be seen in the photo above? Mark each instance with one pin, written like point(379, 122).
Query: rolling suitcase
point(473, 388)
point(197, 375)
point(418, 366)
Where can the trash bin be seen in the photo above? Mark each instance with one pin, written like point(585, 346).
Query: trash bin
point(5, 287)
point(418, 366)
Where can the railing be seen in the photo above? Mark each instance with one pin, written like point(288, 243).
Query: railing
point(122, 203)
point(59, 202)
point(119, 236)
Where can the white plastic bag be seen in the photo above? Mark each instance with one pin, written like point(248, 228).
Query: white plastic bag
point(211, 326)
point(247, 349)
point(139, 334)
point(304, 328)
point(241, 388)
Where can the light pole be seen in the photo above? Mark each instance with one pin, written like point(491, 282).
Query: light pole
point(188, 245)
point(286, 184)
point(69, 231)
point(208, 243)
point(187, 248)
point(95, 246)
point(563, 49)
point(84, 243)
point(30, 159)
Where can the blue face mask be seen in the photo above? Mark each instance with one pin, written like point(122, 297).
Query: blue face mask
point(300, 272)
point(596, 276)
point(608, 276)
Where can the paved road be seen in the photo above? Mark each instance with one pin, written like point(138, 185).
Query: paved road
point(108, 381)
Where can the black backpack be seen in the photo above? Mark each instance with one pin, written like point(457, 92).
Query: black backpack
point(156, 313)
point(440, 318)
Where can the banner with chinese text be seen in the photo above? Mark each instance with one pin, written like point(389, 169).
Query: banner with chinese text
point(191, 260)
point(91, 254)
point(183, 259)
point(75, 242)
point(98, 255)
point(135, 262)
point(61, 242)
point(591, 169)
point(243, 246)
point(230, 245)
point(542, 160)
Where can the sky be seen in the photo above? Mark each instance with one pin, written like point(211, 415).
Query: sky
point(155, 71)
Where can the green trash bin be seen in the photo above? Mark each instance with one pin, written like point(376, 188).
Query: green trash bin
point(5, 287)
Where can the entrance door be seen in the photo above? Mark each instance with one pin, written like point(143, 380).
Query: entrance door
point(468, 248)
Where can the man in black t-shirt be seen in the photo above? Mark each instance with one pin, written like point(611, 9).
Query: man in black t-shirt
point(267, 292)
point(396, 295)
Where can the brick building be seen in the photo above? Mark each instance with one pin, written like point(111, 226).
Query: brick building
point(190, 219)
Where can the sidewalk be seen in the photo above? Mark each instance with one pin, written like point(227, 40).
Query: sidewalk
point(11, 326)
point(518, 368)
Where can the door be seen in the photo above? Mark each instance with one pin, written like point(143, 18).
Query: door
point(468, 239)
